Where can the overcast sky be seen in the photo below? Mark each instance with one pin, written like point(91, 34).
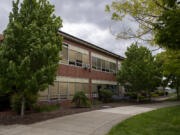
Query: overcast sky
point(85, 19)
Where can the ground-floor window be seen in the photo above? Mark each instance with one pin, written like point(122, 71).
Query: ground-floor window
point(97, 87)
point(63, 90)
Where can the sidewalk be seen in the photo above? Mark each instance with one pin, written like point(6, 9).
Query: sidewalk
point(90, 123)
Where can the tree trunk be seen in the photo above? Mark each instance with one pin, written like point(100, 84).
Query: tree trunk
point(22, 107)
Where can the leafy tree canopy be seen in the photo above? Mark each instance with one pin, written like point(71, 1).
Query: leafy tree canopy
point(171, 70)
point(139, 71)
point(167, 30)
point(147, 13)
point(29, 54)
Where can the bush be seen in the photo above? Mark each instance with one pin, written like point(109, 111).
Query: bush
point(159, 92)
point(132, 95)
point(81, 100)
point(142, 98)
point(29, 103)
point(46, 108)
point(97, 102)
point(155, 95)
point(4, 102)
point(106, 95)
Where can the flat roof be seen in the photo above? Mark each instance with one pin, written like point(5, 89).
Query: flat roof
point(73, 38)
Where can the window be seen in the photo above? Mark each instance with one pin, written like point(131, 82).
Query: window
point(78, 59)
point(107, 66)
point(98, 64)
point(64, 54)
point(94, 90)
point(85, 88)
point(103, 65)
point(54, 90)
point(112, 67)
point(85, 58)
point(63, 90)
point(79, 87)
point(71, 90)
point(72, 57)
point(94, 62)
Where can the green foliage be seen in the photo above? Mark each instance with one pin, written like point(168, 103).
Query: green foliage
point(81, 100)
point(141, 98)
point(167, 32)
point(29, 54)
point(29, 104)
point(132, 95)
point(171, 68)
point(155, 95)
point(160, 93)
point(144, 12)
point(154, 17)
point(138, 71)
point(165, 121)
point(4, 101)
point(106, 95)
point(97, 102)
point(46, 108)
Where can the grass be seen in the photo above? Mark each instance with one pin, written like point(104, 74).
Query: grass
point(46, 108)
point(172, 99)
point(165, 121)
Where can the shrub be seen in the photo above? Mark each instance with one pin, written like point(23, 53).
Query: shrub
point(159, 92)
point(132, 95)
point(29, 103)
point(155, 95)
point(106, 95)
point(81, 100)
point(4, 101)
point(142, 98)
point(97, 102)
point(46, 108)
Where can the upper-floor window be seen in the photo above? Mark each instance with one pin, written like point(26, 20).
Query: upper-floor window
point(73, 56)
point(103, 65)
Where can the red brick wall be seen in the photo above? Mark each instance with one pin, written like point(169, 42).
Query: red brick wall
point(73, 71)
point(78, 72)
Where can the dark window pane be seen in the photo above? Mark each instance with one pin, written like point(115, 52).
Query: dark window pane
point(94, 62)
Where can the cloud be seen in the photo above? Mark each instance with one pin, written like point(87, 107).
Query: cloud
point(100, 37)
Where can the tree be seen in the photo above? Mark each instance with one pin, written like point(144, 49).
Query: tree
point(139, 72)
point(167, 30)
point(171, 68)
point(29, 54)
point(146, 13)
point(160, 60)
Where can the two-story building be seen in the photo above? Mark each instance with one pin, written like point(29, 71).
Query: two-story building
point(84, 67)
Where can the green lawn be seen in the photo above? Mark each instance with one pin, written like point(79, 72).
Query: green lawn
point(164, 121)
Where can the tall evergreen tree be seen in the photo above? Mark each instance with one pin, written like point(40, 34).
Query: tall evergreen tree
point(29, 54)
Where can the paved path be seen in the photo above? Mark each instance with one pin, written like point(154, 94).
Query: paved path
point(90, 123)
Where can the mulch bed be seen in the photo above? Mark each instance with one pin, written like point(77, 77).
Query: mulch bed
point(10, 118)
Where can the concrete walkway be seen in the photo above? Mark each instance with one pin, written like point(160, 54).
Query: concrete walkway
point(90, 123)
